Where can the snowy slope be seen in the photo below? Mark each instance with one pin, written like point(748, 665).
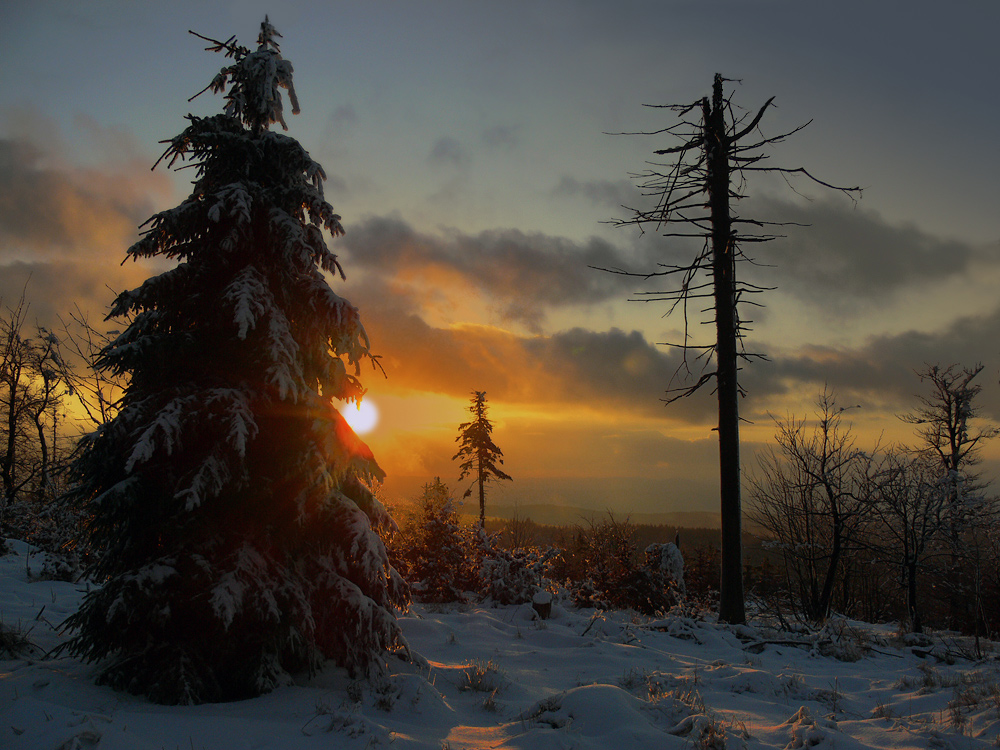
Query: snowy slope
point(497, 678)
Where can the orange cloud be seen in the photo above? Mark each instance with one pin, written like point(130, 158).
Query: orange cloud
point(66, 211)
point(64, 228)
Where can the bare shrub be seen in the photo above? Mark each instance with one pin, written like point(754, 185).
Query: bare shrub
point(482, 677)
point(614, 575)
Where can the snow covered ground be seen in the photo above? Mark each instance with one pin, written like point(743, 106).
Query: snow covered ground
point(498, 678)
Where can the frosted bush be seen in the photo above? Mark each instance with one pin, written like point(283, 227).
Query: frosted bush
point(514, 577)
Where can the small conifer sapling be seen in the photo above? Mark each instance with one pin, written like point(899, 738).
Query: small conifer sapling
point(481, 458)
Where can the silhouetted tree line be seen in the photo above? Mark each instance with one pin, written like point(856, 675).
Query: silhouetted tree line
point(892, 533)
point(895, 532)
point(50, 393)
point(598, 564)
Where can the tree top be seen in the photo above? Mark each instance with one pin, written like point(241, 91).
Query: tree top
point(253, 79)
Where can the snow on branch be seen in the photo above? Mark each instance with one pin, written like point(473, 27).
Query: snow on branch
point(285, 370)
point(251, 299)
point(208, 481)
point(164, 432)
point(240, 421)
point(254, 80)
point(232, 201)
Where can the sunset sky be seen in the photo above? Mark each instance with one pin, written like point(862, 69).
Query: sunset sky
point(470, 150)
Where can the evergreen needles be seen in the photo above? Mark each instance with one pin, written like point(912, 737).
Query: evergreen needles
point(231, 502)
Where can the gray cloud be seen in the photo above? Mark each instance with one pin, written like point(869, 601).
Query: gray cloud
point(607, 193)
point(624, 369)
point(845, 263)
point(503, 136)
point(621, 370)
point(340, 125)
point(833, 255)
point(881, 372)
point(448, 151)
point(64, 228)
point(529, 274)
point(526, 273)
point(52, 289)
point(615, 367)
point(343, 117)
point(83, 219)
point(70, 211)
point(849, 254)
point(595, 369)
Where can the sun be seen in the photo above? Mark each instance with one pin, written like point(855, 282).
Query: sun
point(361, 417)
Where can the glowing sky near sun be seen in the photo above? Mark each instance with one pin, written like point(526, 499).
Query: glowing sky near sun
point(362, 417)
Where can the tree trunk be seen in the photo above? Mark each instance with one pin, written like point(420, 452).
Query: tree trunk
point(916, 626)
point(482, 496)
point(7, 462)
point(826, 595)
point(43, 446)
point(731, 607)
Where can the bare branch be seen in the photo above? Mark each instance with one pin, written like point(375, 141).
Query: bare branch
point(756, 121)
point(800, 170)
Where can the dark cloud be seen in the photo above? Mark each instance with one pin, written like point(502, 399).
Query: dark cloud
point(529, 274)
point(340, 125)
point(448, 151)
point(78, 222)
point(525, 273)
point(881, 373)
point(844, 264)
point(64, 228)
point(343, 117)
point(624, 371)
point(336, 186)
point(70, 211)
point(833, 255)
point(847, 254)
point(52, 290)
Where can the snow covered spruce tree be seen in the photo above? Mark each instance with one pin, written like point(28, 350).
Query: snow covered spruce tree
point(231, 501)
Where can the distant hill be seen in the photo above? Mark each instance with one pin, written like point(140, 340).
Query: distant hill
point(566, 501)
point(561, 515)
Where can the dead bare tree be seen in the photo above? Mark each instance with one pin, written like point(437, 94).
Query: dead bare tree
point(909, 504)
point(696, 190)
point(944, 422)
point(811, 495)
point(31, 388)
point(96, 390)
